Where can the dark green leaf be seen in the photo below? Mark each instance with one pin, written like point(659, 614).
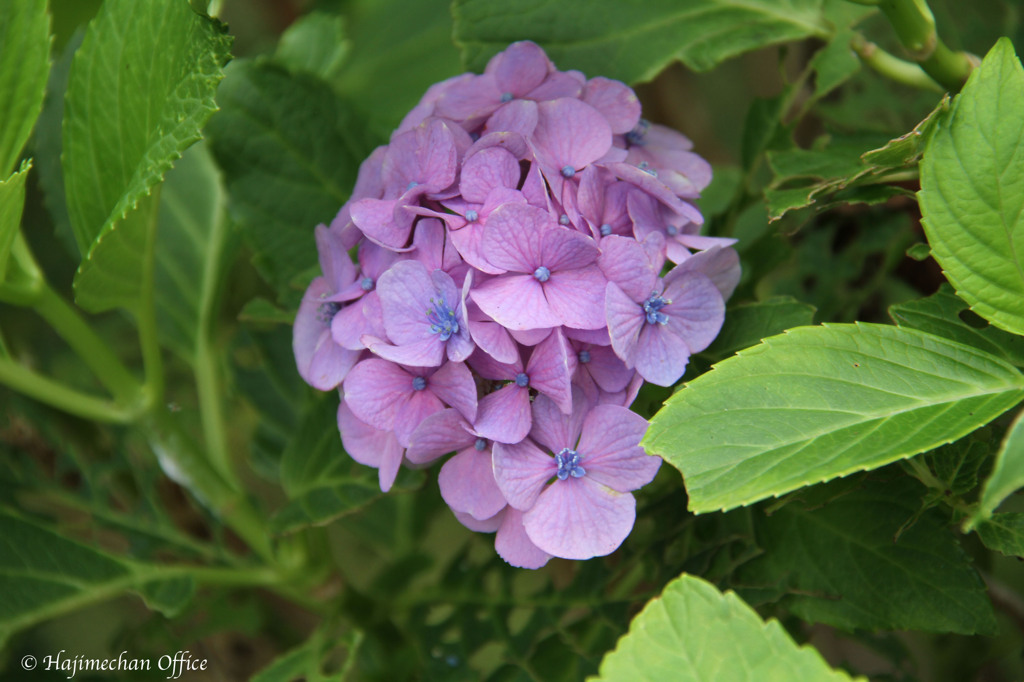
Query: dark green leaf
point(746, 324)
point(845, 568)
point(941, 314)
point(130, 112)
point(1004, 533)
point(633, 41)
point(971, 194)
point(834, 64)
point(906, 150)
point(956, 465)
point(694, 633)
point(1007, 475)
point(24, 64)
point(817, 403)
point(287, 167)
point(169, 597)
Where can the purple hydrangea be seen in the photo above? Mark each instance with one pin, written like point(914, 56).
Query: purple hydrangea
point(527, 255)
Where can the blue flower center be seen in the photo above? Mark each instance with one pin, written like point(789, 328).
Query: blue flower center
point(606, 230)
point(418, 383)
point(635, 137)
point(366, 284)
point(652, 309)
point(584, 356)
point(507, 97)
point(568, 171)
point(672, 230)
point(480, 444)
point(442, 319)
point(542, 274)
point(522, 380)
point(472, 215)
point(569, 464)
point(411, 185)
point(327, 310)
point(563, 219)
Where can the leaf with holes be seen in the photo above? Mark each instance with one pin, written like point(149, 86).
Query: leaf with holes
point(817, 403)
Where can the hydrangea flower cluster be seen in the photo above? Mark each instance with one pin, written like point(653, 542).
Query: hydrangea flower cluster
point(507, 300)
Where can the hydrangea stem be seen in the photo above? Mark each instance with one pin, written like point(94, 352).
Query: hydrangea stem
point(892, 67)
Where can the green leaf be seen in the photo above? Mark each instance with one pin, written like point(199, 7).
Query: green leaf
point(399, 49)
point(315, 44)
point(972, 190)
point(193, 248)
point(1004, 533)
point(746, 324)
point(633, 41)
point(1007, 475)
point(956, 465)
point(12, 203)
point(43, 574)
point(24, 65)
point(906, 150)
point(693, 632)
point(141, 89)
point(943, 314)
point(834, 64)
point(845, 569)
point(817, 403)
point(169, 597)
point(286, 167)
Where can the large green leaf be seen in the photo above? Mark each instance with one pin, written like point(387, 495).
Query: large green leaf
point(193, 246)
point(1003, 533)
point(286, 167)
point(316, 44)
point(694, 633)
point(1007, 475)
point(941, 314)
point(821, 402)
point(24, 64)
point(635, 39)
point(972, 190)
point(12, 202)
point(843, 567)
point(142, 87)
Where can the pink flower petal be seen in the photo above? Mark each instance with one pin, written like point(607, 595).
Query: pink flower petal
point(486, 526)
point(504, 415)
point(383, 221)
point(696, 311)
point(513, 237)
point(372, 447)
point(580, 519)
point(453, 383)
point(375, 389)
point(330, 363)
point(575, 297)
point(551, 367)
point(521, 470)
point(564, 249)
point(409, 415)
point(491, 337)
point(467, 484)
point(720, 265)
point(625, 320)
point(518, 116)
point(616, 101)
point(437, 435)
point(516, 301)
point(555, 428)
point(610, 446)
point(513, 544)
point(661, 355)
point(427, 352)
point(487, 170)
point(625, 262)
point(519, 68)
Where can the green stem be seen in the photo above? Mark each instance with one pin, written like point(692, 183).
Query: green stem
point(207, 370)
point(915, 26)
point(56, 394)
point(892, 67)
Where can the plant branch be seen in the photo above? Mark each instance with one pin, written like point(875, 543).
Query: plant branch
point(56, 394)
point(915, 25)
point(892, 67)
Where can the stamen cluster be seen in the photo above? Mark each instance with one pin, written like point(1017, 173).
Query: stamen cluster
point(507, 300)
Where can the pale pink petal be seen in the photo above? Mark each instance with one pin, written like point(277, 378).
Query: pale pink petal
point(453, 383)
point(608, 369)
point(625, 319)
point(370, 446)
point(616, 101)
point(330, 363)
point(570, 133)
point(428, 243)
point(504, 415)
point(469, 242)
point(551, 367)
point(467, 484)
point(696, 311)
point(507, 138)
point(521, 470)
point(554, 428)
point(519, 68)
point(661, 356)
point(383, 221)
point(518, 117)
point(440, 433)
point(656, 188)
point(486, 526)
point(558, 85)
point(580, 519)
point(337, 266)
point(625, 262)
point(610, 446)
point(428, 352)
point(516, 301)
point(361, 318)
point(375, 389)
point(419, 406)
point(575, 297)
point(720, 265)
point(514, 235)
point(513, 544)
point(529, 337)
point(312, 318)
point(491, 337)
point(487, 170)
point(405, 291)
point(564, 249)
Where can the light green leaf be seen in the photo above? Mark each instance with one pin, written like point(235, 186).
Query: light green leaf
point(193, 248)
point(141, 89)
point(169, 597)
point(972, 190)
point(633, 41)
point(694, 633)
point(1004, 533)
point(314, 43)
point(844, 568)
point(746, 324)
point(906, 150)
point(941, 314)
point(24, 64)
point(12, 202)
point(834, 64)
point(286, 167)
point(1007, 475)
point(817, 403)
